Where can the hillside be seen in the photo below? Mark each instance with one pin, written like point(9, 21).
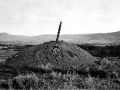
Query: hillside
point(98, 38)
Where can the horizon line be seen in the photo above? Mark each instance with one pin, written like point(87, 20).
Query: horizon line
point(56, 34)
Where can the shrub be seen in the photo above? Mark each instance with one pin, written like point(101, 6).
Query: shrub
point(4, 84)
point(25, 81)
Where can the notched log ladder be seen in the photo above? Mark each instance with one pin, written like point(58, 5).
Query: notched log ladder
point(58, 34)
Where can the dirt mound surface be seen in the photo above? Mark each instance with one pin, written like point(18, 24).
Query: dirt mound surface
point(51, 55)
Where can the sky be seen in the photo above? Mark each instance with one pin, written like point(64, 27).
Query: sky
point(38, 17)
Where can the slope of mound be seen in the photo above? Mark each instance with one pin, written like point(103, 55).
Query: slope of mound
point(51, 55)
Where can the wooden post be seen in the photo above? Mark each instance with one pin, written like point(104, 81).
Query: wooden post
point(58, 34)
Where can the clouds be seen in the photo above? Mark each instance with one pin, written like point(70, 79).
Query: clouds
point(33, 17)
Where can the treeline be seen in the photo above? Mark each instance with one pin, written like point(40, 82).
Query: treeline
point(102, 51)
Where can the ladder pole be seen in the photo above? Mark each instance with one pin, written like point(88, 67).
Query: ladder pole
point(58, 34)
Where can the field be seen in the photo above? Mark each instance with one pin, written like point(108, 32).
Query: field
point(105, 75)
point(7, 52)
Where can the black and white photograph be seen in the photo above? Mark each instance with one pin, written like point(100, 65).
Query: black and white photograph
point(59, 44)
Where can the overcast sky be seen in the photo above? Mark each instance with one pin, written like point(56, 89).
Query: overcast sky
point(36, 17)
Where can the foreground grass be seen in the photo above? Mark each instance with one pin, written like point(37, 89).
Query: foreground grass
point(58, 81)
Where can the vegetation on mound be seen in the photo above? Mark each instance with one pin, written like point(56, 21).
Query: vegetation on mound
point(51, 55)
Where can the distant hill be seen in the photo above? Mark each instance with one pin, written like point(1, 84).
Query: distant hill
point(98, 38)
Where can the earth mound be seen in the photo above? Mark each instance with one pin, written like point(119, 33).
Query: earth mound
point(60, 55)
